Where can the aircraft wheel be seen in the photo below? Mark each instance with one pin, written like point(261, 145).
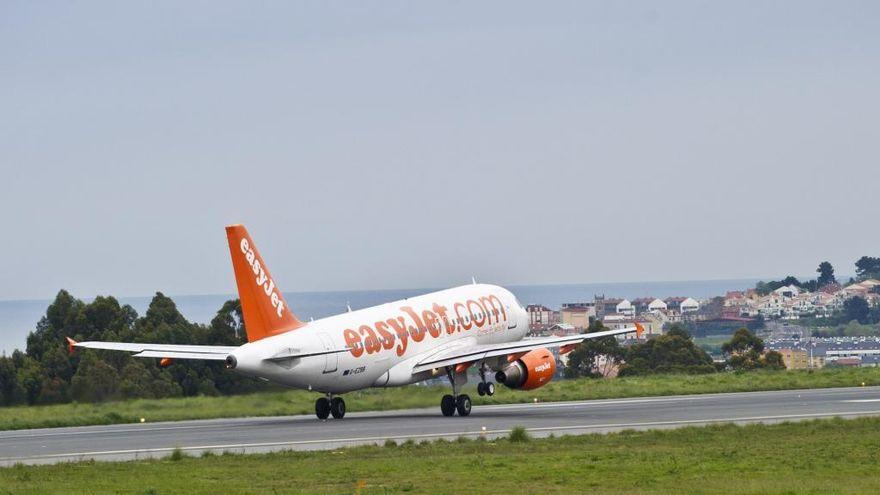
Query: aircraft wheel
point(337, 407)
point(447, 405)
point(490, 389)
point(481, 389)
point(463, 405)
point(322, 408)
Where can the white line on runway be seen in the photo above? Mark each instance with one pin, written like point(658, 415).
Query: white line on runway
point(361, 440)
point(532, 405)
point(862, 400)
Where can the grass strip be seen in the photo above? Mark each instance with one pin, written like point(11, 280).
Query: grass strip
point(821, 456)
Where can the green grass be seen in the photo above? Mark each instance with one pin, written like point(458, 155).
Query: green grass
point(301, 402)
point(823, 456)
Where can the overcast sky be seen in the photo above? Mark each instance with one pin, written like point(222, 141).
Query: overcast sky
point(398, 145)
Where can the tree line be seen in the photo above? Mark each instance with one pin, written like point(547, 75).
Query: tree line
point(672, 352)
point(867, 267)
point(47, 373)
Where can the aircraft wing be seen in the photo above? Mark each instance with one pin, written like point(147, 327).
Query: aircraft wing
point(469, 354)
point(172, 351)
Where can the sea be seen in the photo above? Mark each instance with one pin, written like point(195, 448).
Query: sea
point(18, 318)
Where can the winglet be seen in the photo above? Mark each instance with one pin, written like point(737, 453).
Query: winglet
point(70, 345)
point(639, 329)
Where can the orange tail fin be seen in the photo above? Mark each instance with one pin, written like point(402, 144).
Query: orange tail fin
point(264, 309)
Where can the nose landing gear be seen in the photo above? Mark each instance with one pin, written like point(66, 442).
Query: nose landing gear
point(484, 387)
point(326, 406)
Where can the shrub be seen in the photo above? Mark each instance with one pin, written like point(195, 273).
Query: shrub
point(176, 455)
point(519, 434)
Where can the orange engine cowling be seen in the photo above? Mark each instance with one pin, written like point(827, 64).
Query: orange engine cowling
point(534, 369)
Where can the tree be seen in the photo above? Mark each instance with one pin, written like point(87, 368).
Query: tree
point(856, 308)
point(673, 352)
point(95, 380)
point(874, 314)
point(826, 274)
point(139, 380)
point(8, 381)
point(30, 380)
point(867, 267)
point(772, 360)
point(227, 326)
point(810, 285)
point(163, 310)
point(742, 341)
point(583, 360)
point(745, 351)
point(61, 320)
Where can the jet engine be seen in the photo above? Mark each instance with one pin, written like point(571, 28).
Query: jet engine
point(532, 370)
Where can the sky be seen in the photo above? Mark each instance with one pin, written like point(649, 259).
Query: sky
point(414, 144)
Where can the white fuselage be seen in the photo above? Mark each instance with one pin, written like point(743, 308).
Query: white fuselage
point(385, 342)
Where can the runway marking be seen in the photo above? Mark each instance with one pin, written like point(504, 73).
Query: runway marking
point(362, 440)
point(529, 405)
point(862, 400)
point(144, 428)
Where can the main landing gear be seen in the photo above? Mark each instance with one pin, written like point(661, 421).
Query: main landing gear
point(326, 406)
point(449, 404)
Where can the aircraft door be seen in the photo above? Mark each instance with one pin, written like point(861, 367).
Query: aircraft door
point(331, 361)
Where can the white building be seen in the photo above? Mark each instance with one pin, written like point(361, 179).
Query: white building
point(690, 305)
point(787, 292)
point(625, 308)
point(657, 305)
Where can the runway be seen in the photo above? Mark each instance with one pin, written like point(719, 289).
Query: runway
point(132, 441)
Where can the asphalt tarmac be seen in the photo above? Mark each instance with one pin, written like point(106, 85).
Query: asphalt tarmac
point(132, 441)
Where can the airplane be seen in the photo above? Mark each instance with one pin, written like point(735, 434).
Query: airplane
point(440, 334)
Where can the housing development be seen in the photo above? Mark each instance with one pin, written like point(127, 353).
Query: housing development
point(793, 321)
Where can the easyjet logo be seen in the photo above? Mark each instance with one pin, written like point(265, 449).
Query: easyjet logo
point(542, 367)
point(262, 279)
point(412, 324)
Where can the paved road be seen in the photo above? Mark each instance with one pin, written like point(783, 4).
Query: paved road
point(308, 433)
